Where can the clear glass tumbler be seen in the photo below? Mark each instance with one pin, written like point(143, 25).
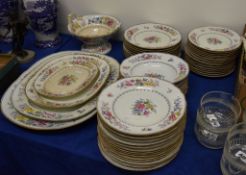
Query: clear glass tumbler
point(233, 161)
point(217, 113)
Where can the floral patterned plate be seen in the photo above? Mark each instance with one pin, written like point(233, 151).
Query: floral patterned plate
point(152, 35)
point(158, 65)
point(141, 105)
point(65, 79)
point(81, 97)
point(215, 38)
point(21, 120)
point(24, 106)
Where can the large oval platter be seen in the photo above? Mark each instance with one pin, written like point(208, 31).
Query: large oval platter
point(77, 99)
point(24, 106)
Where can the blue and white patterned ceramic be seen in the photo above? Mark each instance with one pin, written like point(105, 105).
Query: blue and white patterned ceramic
point(42, 15)
point(6, 7)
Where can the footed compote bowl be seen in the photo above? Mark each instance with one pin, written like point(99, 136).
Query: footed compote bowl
point(94, 31)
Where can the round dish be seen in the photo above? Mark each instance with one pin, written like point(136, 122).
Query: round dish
point(158, 108)
point(215, 38)
point(158, 65)
point(152, 36)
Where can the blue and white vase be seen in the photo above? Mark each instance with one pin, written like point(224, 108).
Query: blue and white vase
point(42, 15)
point(6, 6)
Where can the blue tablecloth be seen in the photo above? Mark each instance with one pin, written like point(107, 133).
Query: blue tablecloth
point(74, 151)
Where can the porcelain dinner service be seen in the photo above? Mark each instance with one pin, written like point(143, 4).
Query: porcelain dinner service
point(212, 51)
point(158, 65)
point(141, 121)
point(53, 108)
point(141, 117)
point(151, 37)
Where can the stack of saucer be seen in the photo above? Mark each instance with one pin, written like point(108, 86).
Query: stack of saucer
point(151, 37)
point(59, 91)
point(212, 51)
point(141, 132)
point(158, 65)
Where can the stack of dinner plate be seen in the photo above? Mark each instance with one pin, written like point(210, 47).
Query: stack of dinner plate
point(212, 51)
point(151, 37)
point(59, 91)
point(158, 65)
point(141, 122)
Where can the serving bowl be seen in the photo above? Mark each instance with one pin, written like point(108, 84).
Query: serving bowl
point(94, 31)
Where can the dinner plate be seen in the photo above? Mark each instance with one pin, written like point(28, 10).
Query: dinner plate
point(202, 51)
point(130, 52)
point(145, 139)
point(65, 79)
point(145, 143)
point(128, 165)
point(215, 38)
point(77, 99)
point(24, 106)
point(211, 60)
point(152, 35)
point(138, 49)
point(141, 105)
point(158, 65)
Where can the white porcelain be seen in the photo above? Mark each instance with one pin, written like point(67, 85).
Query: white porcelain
point(141, 105)
point(81, 97)
point(65, 79)
point(21, 120)
point(152, 36)
point(215, 38)
point(158, 65)
point(11, 114)
point(25, 107)
point(93, 31)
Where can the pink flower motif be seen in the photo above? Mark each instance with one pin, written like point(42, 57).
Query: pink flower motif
point(108, 114)
point(110, 95)
point(172, 117)
point(146, 113)
point(140, 106)
point(110, 22)
point(128, 83)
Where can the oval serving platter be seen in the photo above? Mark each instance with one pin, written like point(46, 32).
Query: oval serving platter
point(65, 79)
point(81, 97)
